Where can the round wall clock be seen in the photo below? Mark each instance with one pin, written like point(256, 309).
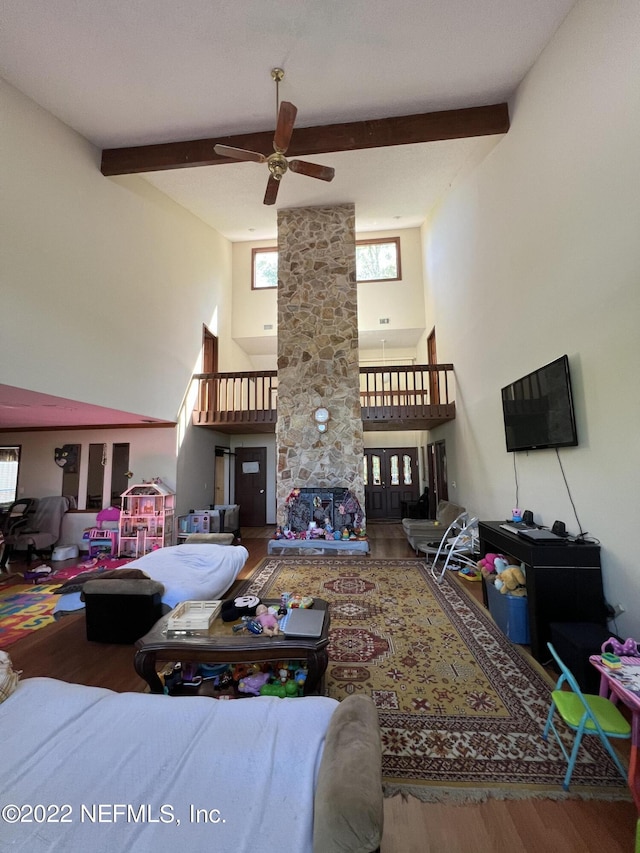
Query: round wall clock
point(321, 415)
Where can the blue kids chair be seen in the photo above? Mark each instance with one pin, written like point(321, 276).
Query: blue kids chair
point(585, 714)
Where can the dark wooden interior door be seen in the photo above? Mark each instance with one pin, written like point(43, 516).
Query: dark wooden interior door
point(432, 358)
point(391, 478)
point(251, 485)
point(209, 351)
point(437, 475)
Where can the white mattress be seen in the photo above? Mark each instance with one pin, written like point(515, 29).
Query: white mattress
point(152, 762)
point(188, 572)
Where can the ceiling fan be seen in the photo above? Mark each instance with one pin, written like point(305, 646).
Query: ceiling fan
point(277, 163)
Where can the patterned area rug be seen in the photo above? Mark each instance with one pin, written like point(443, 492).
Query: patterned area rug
point(24, 608)
point(461, 708)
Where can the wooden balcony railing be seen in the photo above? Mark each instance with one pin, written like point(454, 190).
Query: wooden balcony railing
point(397, 397)
point(233, 400)
point(406, 397)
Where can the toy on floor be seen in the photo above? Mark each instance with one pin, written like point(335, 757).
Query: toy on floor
point(512, 581)
point(253, 683)
point(470, 573)
point(38, 575)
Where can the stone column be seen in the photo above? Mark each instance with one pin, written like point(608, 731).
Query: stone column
point(318, 362)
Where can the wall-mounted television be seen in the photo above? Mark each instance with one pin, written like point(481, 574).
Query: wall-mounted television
point(538, 409)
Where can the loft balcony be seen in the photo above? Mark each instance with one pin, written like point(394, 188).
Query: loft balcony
point(414, 397)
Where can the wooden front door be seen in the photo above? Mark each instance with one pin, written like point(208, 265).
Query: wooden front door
point(390, 478)
point(251, 485)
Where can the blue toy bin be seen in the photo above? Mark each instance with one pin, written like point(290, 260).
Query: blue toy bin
point(511, 614)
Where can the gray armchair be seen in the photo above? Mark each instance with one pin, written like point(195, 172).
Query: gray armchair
point(14, 519)
point(42, 531)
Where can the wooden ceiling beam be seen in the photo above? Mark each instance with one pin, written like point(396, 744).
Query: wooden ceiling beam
point(351, 136)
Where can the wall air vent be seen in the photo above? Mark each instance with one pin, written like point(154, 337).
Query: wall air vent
point(267, 327)
point(384, 321)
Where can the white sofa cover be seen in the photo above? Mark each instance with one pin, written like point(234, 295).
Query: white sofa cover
point(106, 772)
point(189, 572)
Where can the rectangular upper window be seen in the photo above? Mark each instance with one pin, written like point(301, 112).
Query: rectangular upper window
point(378, 260)
point(264, 268)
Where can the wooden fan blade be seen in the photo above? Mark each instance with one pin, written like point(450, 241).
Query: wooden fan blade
point(272, 190)
point(313, 170)
point(284, 128)
point(239, 153)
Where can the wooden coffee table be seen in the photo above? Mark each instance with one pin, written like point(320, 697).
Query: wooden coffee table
point(223, 646)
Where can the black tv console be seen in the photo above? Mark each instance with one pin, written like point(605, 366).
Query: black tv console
point(564, 581)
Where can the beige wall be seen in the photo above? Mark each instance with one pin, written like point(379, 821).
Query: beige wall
point(402, 302)
point(253, 309)
point(105, 282)
point(106, 285)
point(152, 453)
point(536, 254)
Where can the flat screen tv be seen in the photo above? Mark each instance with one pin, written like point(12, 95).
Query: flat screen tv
point(538, 409)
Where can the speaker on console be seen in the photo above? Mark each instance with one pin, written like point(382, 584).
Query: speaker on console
point(559, 529)
point(527, 517)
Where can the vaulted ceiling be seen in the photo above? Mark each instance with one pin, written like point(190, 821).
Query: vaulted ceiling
point(159, 72)
point(164, 71)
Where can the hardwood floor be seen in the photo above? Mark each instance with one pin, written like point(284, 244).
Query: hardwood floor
point(496, 826)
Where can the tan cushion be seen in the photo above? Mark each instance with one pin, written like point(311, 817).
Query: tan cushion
point(348, 808)
point(448, 512)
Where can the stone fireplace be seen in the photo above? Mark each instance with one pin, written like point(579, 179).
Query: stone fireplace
point(321, 521)
point(326, 509)
point(318, 363)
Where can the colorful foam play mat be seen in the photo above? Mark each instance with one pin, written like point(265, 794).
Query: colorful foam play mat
point(24, 608)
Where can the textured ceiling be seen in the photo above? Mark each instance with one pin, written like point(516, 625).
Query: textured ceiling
point(153, 71)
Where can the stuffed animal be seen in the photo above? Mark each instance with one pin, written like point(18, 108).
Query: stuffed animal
point(487, 563)
point(268, 620)
point(500, 564)
point(511, 580)
point(236, 608)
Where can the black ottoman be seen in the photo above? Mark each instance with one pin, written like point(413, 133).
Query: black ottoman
point(121, 611)
point(574, 642)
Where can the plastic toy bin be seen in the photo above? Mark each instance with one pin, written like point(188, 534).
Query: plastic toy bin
point(511, 614)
